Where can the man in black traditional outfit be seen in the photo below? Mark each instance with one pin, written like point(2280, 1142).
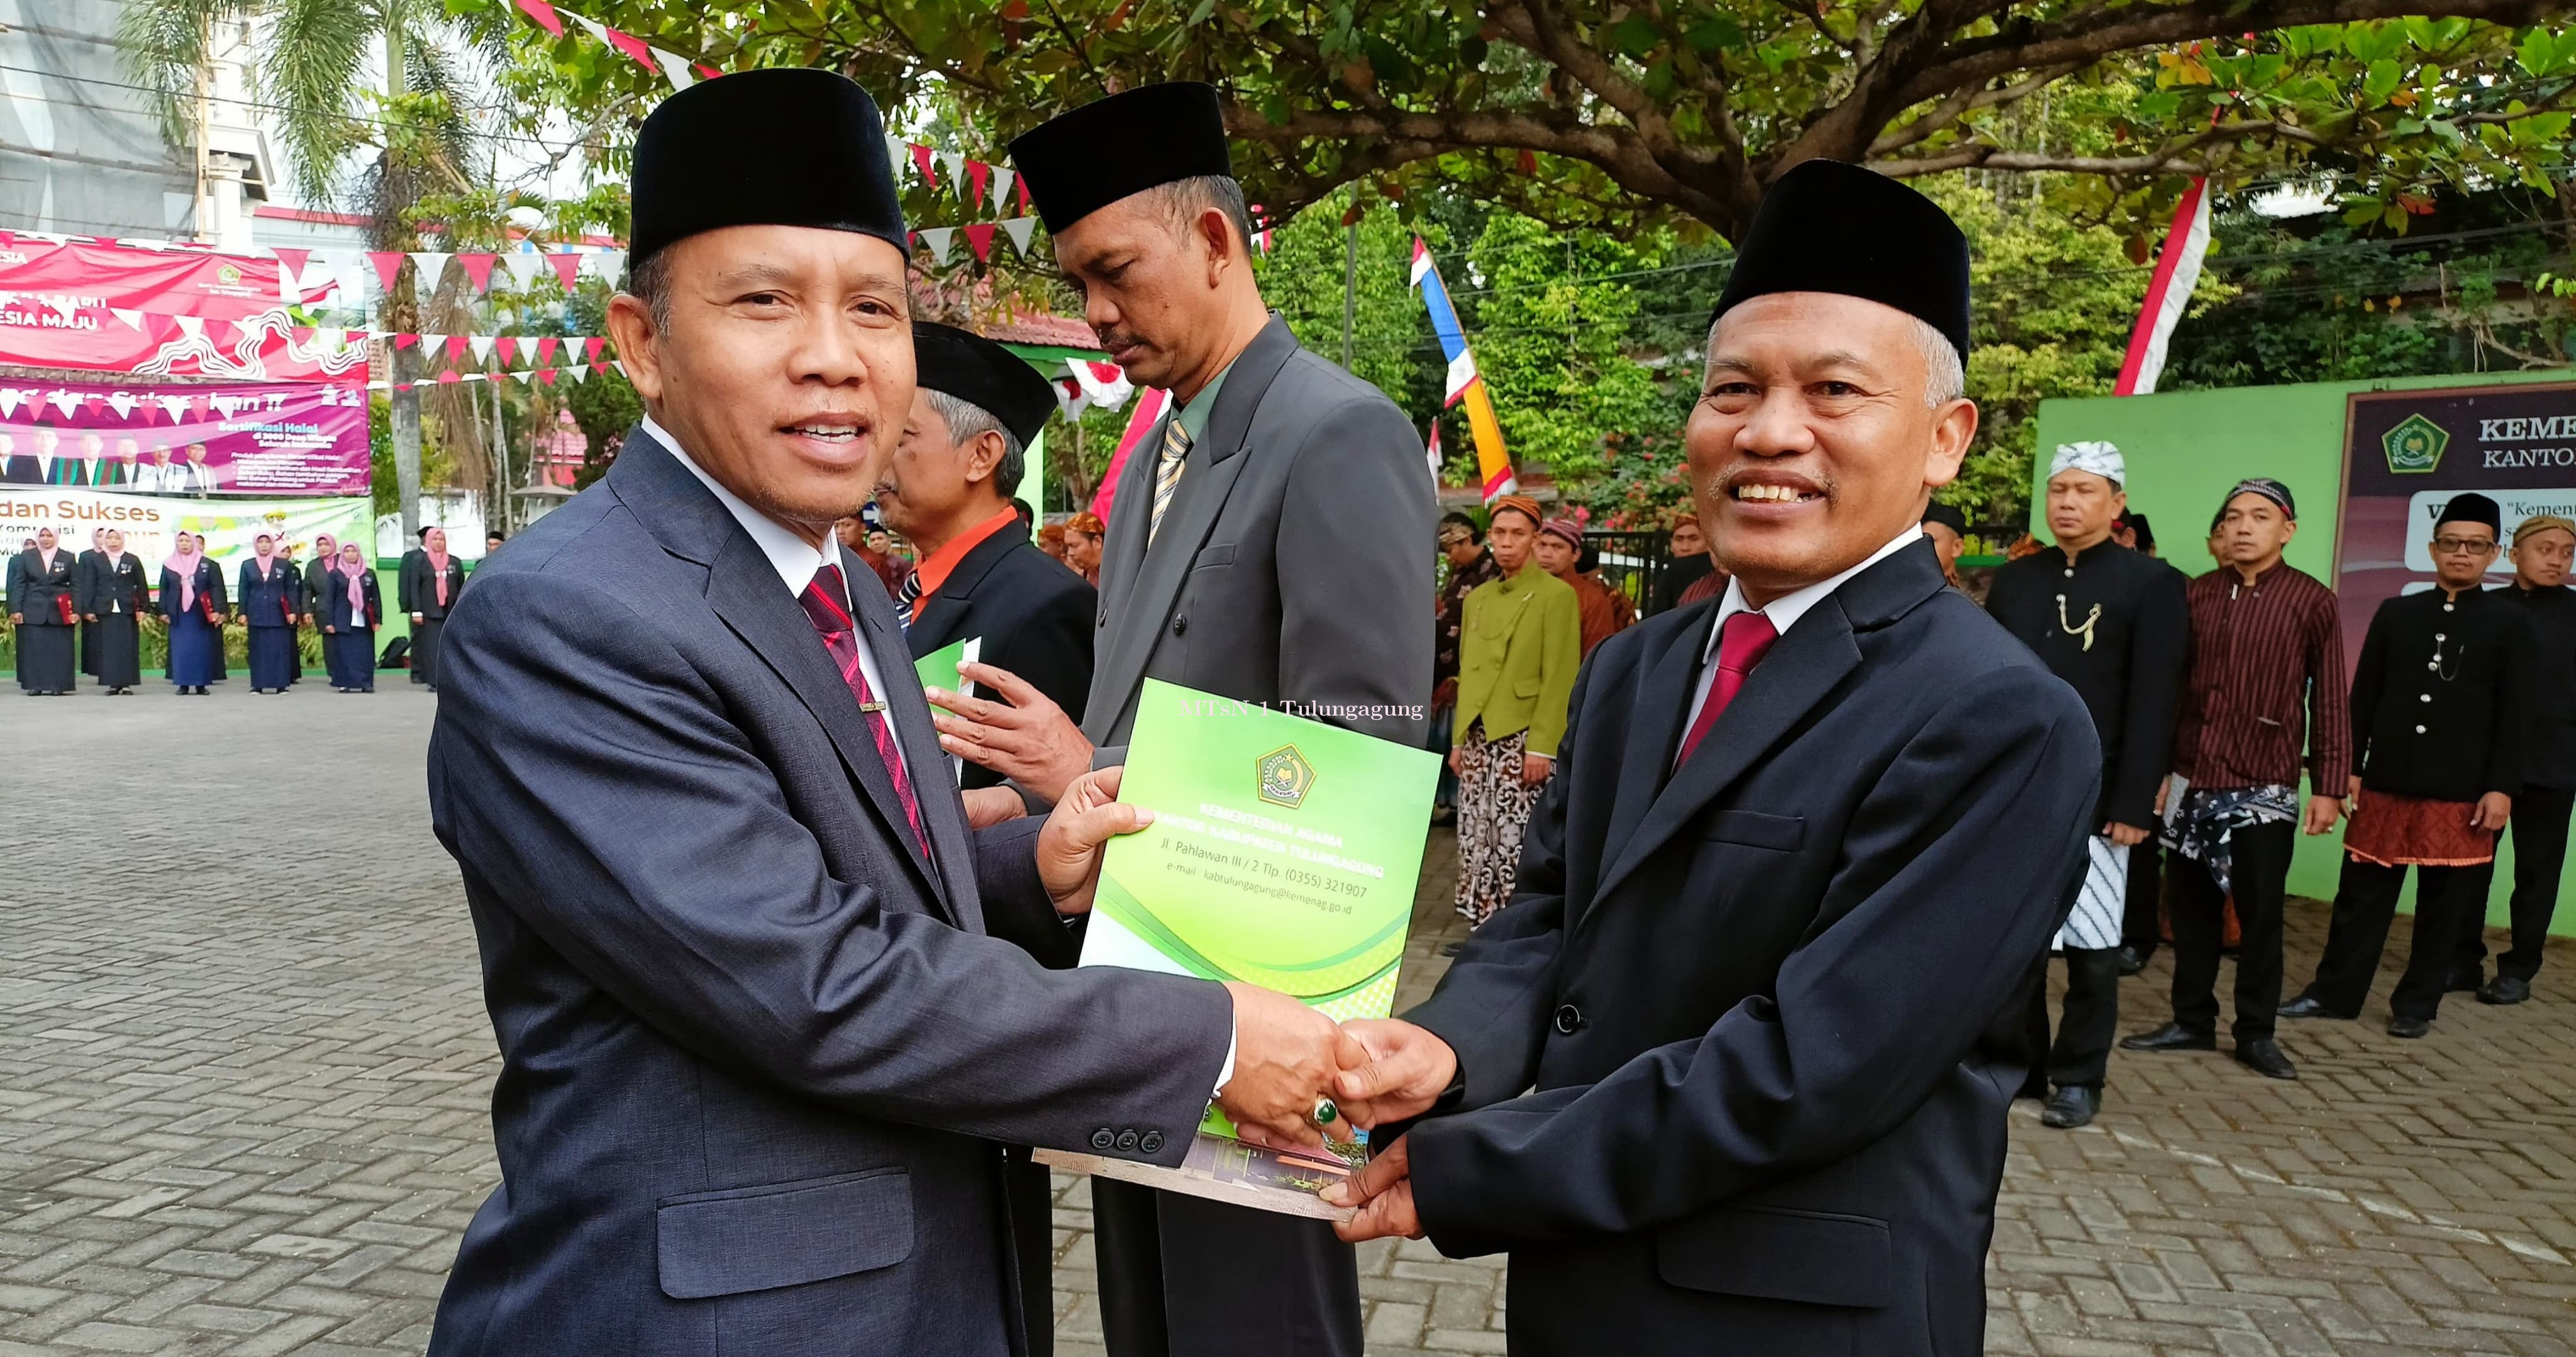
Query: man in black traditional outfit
point(2438, 711)
point(2115, 625)
point(2543, 546)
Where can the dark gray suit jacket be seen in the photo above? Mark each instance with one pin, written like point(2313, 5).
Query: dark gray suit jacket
point(1758, 996)
point(1294, 562)
point(757, 1052)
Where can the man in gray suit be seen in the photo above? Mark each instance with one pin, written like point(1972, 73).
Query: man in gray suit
point(1268, 543)
point(767, 1008)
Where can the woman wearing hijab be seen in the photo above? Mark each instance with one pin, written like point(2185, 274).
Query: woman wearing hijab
point(192, 597)
point(222, 601)
point(270, 589)
point(41, 585)
point(430, 580)
point(350, 610)
point(114, 596)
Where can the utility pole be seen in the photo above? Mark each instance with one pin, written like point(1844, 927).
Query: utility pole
point(403, 305)
point(1350, 289)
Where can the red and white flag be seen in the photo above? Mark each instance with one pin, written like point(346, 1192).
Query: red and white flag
point(2168, 292)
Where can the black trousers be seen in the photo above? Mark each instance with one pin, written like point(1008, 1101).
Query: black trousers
point(2139, 931)
point(2259, 861)
point(2539, 829)
point(2365, 904)
point(1185, 1277)
point(2082, 1052)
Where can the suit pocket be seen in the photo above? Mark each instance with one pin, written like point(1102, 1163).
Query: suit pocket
point(1812, 1257)
point(783, 1234)
point(1753, 829)
point(1220, 554)
point(1527, 687)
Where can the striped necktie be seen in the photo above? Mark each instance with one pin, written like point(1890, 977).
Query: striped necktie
point(907, 600)
point(822, 601)
point(1167, 473)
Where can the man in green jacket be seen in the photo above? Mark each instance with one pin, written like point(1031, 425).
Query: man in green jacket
point(1518, 647)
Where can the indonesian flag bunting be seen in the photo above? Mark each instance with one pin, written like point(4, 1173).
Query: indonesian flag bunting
point(523, 266)
point(1019, 229)
point(2168, 292)
point(979, 176)
point(567, 267)
point(675, 68)
point(431, 264)
point(509, 348)
point(133, 319)
point(546, 350)
point(1002, 178)
point(543, 14)
point(1465, 386)
point(706, 71)
point(921, 163)
point(546, 375)
point(456, 345)
point(1149, 413)
point(938, 239)
point(954, 162)
point(979, 238)
point(1102, 384)
point(1431, 454)
point(478, 270)
point(576, 372)
point(592, 346)
point(483, 349)
point(406, 339)
point(290, 268)
point(607, 264)
point(388, 266)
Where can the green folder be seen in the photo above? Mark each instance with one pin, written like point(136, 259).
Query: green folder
point(938, 669)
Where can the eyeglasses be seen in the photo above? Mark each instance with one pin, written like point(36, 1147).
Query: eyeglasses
point(2453, 546)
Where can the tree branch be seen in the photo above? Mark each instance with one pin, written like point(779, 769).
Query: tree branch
point(1959, 104)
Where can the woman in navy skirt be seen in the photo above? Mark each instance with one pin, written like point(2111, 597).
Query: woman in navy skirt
point(350, 608)
point(269, 586)
point(192, 597)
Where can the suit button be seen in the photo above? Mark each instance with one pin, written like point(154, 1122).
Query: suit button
point(1151, 1142)
point(1104, 1140)
point(1180, 624)
point(1569, 1020)
point(2419, 730)
point(1127, 1142)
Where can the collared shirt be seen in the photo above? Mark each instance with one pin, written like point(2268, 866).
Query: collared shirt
point(934, 569)
point(795, 559)
point(2260, 653)
point(1783, 611)
point(1194, 415)
point(2552, 752)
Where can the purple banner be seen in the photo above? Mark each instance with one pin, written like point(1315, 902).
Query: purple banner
point(270, 439)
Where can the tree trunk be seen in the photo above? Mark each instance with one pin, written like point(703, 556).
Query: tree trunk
point(405, 404)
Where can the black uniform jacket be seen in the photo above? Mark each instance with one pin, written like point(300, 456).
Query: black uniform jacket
point(34, 586)
point(332, 604)
point(417, 584)
point(2125, 660)
point(2549, 756)
point(1033, 614)
point(209, 588)
point(1757, 998)
point(2441, 699)
point(273, 599)
point(118, 587)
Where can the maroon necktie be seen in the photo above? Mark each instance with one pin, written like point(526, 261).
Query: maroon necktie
point(1741, 644)
point(822, 600)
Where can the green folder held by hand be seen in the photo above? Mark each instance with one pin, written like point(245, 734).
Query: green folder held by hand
point(938, 669)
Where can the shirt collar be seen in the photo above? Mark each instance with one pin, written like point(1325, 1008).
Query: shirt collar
point(1194, 415)
point(791, 556)
point(936, 568)
point(1785, 610)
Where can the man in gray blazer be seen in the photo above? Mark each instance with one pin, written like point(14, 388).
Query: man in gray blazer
point(768, 1009)
point(1269, 542)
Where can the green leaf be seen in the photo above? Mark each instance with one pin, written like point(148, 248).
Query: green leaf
point(2537, 53)
point(1633, 36)
point(2382, 81)
point(1715, 33)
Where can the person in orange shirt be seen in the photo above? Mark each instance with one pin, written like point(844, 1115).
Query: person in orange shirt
point(1606, 611)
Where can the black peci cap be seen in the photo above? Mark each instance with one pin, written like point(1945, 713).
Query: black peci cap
point(1830, 227)
point(781, 146)
point(983, 374)
point(1080, 162)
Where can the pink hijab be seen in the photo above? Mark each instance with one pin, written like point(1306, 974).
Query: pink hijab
point(183, 563)
point(356, 572)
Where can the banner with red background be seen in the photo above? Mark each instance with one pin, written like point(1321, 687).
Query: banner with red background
point(173, 281)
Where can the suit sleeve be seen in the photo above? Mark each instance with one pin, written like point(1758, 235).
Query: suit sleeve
point(1955, 869)
point(2156, 659)
point(589, 780)
point(1491, 1006)
point(1561, 655)
point(403, 584)
point(2366, 682)
point(2333, 760)
point(2505, 744)
point(215, 589)
point(1355, 602)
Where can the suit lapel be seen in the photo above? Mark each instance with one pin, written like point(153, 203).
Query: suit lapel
point(934, 785)
point(1802, 669)
point(1661, 701)
point(943, 616)
point(1147, 583)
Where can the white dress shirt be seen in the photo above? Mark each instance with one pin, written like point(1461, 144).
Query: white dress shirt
point(1783, 611)
point(795, 559)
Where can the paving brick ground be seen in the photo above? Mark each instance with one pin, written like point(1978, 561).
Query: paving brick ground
point(243, 1073)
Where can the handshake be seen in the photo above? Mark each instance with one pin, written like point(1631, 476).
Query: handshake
point(1299, 1078)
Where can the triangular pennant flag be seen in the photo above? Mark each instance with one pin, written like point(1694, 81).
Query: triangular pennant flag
point(225, 404)
point(171, 406)
point(546, 375)
point(191, 326)
point(388, 266)
point(406, 339)
point(478, 270)
point(938, 238)
point(429, 265)
point(632, 46)
point(675, 68)
point(290, 270)
point(482, 350)
point(572, 349)
point(589, 25)
point(544, 14)
point(1019, 230)
point(895, 151)
point(546, 350)
point(509, 347)
point(450, 376)
point(197, 407)
point(955, 164)
point(93, 401)
point(65, 401)
point(979, 176)
point(1002, 178)
point(567, 266)
point(123, 403)
point(133, 319)
point(576, 372)
point(523, 266)
point(707, 71)
point(430, 344)
point(618, 365)
point(921, 162)
point(456, 346)
point(979, 238)
point(524, 377)
point(606, 264)
point(593, 346)
point(9, 398)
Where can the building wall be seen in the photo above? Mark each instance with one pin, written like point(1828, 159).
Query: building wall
point(2185, 449)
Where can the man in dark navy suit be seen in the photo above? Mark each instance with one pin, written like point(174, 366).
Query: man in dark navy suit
point(1801, 846)
point(768, 1009)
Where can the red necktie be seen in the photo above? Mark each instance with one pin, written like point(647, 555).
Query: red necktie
point(1741, 644)
point(822, 600)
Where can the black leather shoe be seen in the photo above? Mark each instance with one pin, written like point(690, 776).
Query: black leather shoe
point(2132, 960)
point(2173, 1036)
point(2264, 1057)
point(2308, 1006)
point(2409, 1028)
point(2505, 989)
point(2466, 982)
point(2073, 1106)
